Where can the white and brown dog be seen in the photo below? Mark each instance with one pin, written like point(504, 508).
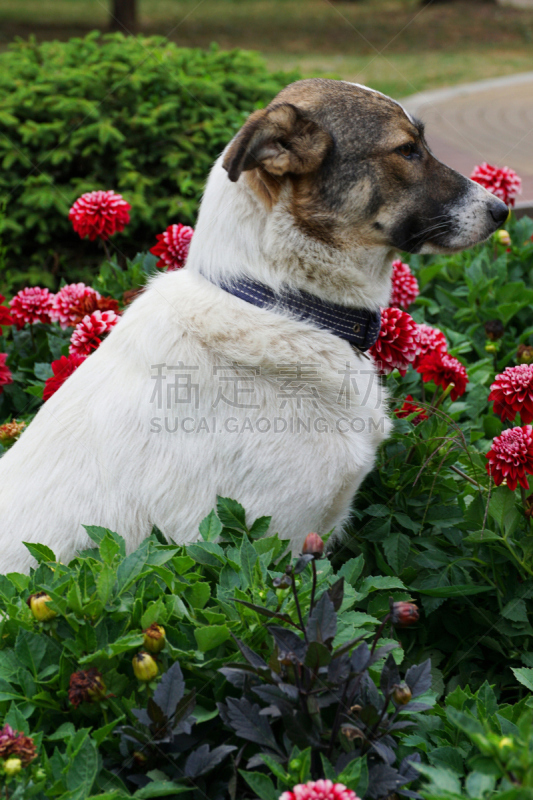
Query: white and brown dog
point(236, 375)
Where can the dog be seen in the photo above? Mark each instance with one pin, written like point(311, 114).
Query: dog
point(232, 376)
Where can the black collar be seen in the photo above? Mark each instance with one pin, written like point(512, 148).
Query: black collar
point(359, 326)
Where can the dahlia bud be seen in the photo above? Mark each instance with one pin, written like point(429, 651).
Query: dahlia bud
point(494, 329)
point(404, 614)
point(491, 347)
point(154, 638)
point(37, 603)
point(524, 354)
point(12, 767)
point(313, 545)
point(401, 694)
point(139, 758)
point(295, 764)
point(86, 686)
point(505, 747)
point(502, 237)
point(144, 667)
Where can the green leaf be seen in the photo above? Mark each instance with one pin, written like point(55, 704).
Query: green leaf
point(211, 636)
point(198, 594)
point(109, 548)
point(40, 552)
point(83, 768)
point(210, 527)
point(132, 566)
point(397, 549)
point(30, 649)
point(525, 676)
point(261, 785)
point(231, 514)
point(105, 583)
point(454, 591)
point(260, 527)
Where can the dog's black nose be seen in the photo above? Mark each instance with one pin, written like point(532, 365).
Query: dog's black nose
point(498, 211)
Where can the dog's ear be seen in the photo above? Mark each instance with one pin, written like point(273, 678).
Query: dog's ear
point(281, 140)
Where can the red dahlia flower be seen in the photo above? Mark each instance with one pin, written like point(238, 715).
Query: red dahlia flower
point(409, 407)
point(397, 344)
point(67, 303)
point(5, 372)
point(62, 369)
point(5, 316)
point(173, 246)
point(88, 334)
point(443, 370)
point(429, 340)
point(511, 457)
point(31, 305)
point(99, 214)
point(404, 285)
point(512, 392)
point(500, 181)
point(319, 790)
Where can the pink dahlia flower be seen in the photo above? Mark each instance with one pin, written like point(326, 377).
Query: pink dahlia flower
point(511, 457)
point(31, 305)
point(173, 246)
point(99, 214)
point(16, 744)
point(5, 373)
point(91, 330)
point(68, 301)
point(443, 369)
point(397, 344)
point(319, 790)
point(429, 340)
point(502, 182)
point(62, 369)
point(404, 285)
point(512, 393)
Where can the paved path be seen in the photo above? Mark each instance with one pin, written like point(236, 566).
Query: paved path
point(485, 121)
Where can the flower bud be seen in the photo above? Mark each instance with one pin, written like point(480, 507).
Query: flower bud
point(12, 767)
point(524, 354)
point(491, 347)
point(502, 237)
point(40, 774)
point(404, 614)
point(313, 545)
point(86, 686)
point(295, 764)
point(144, 667)
point(154, 638)
point(401, 694)
point(39, 609)
point(139, 758)
point(494, 329)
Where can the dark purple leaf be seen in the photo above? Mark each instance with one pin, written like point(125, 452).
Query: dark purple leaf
point(390, 676)
point(266, 612)
point(317, 656)
point(182, 716)
point(382, 780)
point(345, 648)
point(251, 657)
point(336, 593)
point(387, 754)
point(360, 658)
point(339, 669)
point(322, 624)
point(247, 723)
point(170, 689)
point(288, 642)
point(301, 564)
point(203, 760)
point(381, 652)
point(407, 770)
point(156, 713)
point(418, 678)
point(141, 715)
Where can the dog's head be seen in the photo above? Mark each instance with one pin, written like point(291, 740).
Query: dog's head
point(352, 168)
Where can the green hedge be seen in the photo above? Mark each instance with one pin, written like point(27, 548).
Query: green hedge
point(137, 115)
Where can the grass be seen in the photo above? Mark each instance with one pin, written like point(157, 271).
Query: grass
point(397, 46)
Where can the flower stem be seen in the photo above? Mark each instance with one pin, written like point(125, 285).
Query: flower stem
point(313, 589)
point(298, 609)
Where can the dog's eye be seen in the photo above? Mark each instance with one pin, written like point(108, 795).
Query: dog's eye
point(407, 150)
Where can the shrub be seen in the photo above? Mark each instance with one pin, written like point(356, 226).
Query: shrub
point(137, 115)
point(100, 724)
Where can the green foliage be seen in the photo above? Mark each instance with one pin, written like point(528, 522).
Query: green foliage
point(103, 601)
point(137, 115)
point(428, 513)
point(476, 748)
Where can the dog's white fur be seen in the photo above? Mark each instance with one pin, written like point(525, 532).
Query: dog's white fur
point(103, 450)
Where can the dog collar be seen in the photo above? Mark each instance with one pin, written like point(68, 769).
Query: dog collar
point(359, 326)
